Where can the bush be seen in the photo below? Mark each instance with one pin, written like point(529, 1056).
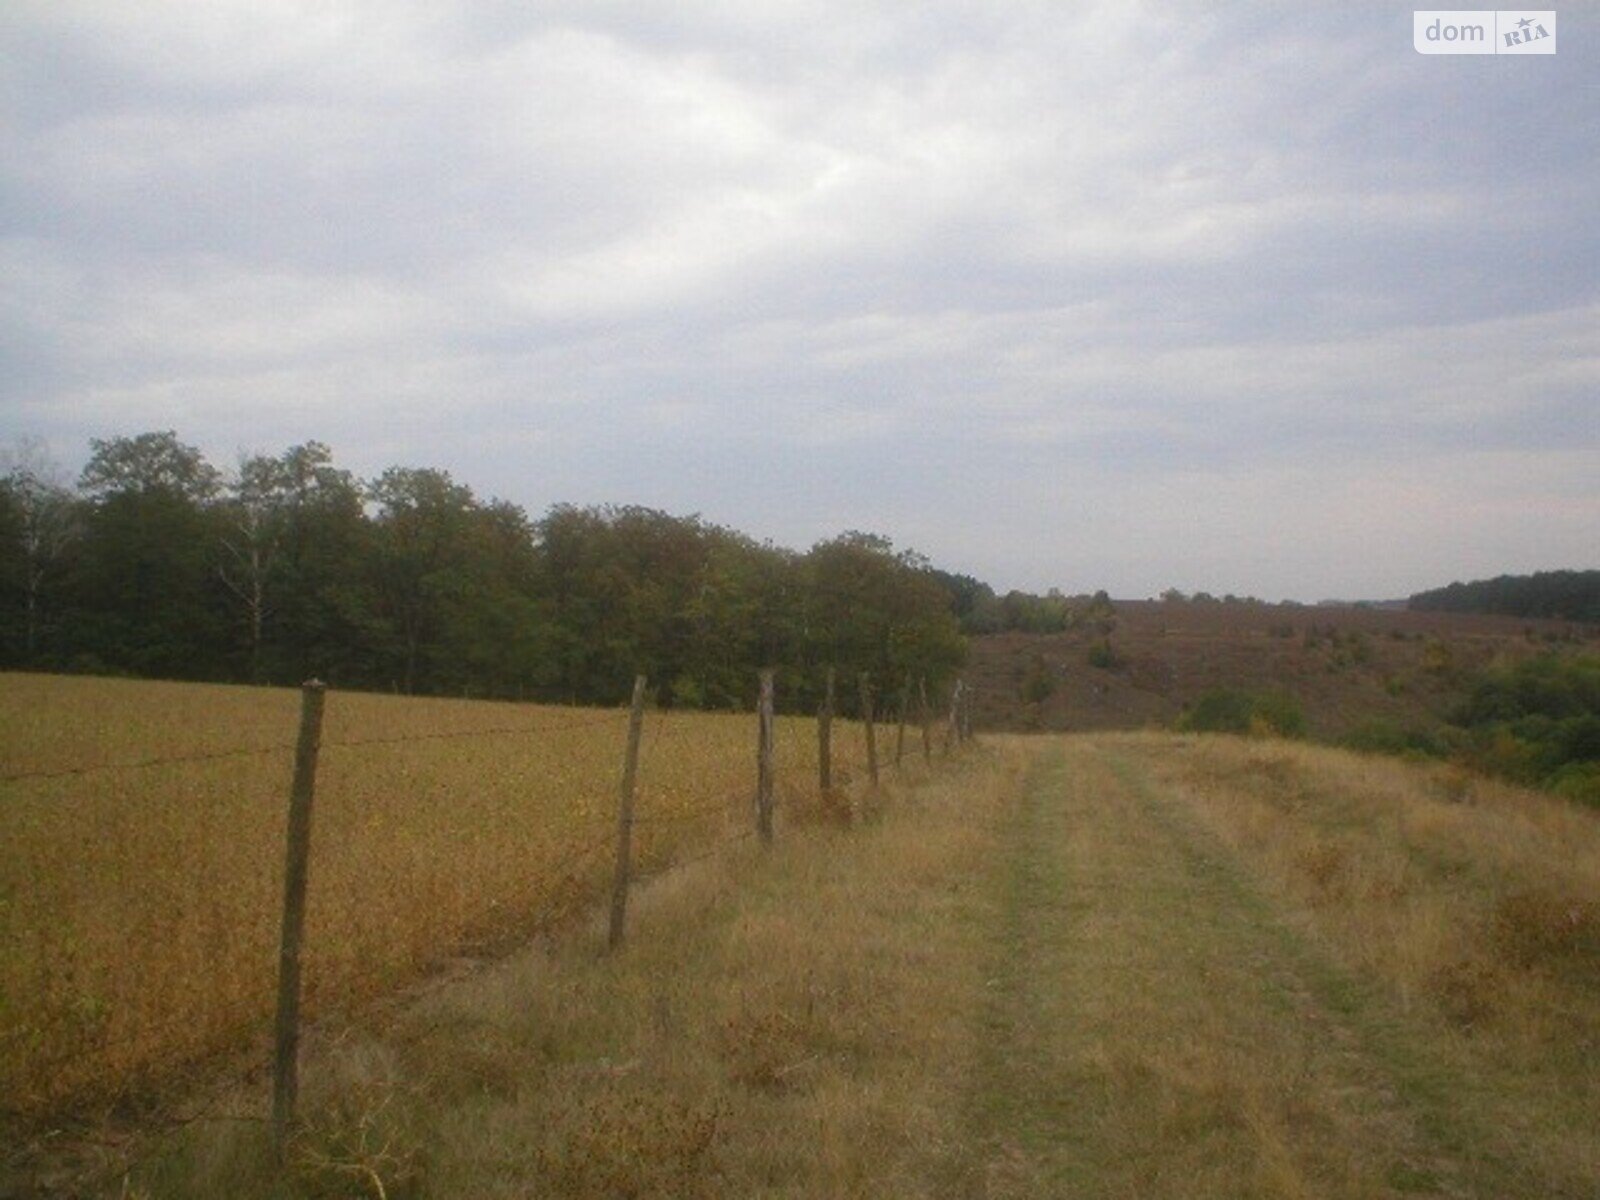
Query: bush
point(1578, 781)
point(1385, 737)
point(1103, 655)
point(1437, 657)
point(1225, 710)
point(1280, 714)
point(1537, 722)
point(1038, 685)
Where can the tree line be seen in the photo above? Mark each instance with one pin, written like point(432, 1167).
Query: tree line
point(155, 563)
point(1563, 595)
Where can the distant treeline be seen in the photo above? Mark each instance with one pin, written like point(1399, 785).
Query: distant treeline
point(155, 564)
point(1562, 595)
point(980, 610)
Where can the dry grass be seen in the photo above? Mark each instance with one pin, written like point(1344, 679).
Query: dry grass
point(1151, 966)
point(139, 907)
point(791, 1023)
point(1474, 910)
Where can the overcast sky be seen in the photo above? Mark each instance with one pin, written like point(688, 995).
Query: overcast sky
point(1246, 297)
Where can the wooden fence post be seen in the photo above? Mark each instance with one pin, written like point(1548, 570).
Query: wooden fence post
point(286, 1048)
point(900, 731)
point(764, 746)
point(952, 734)
point(872, 735)
point(966, 713)
point(926, 715)
point(825, 740)
point(630, 770)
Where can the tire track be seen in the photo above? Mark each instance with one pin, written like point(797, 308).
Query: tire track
point(1154, 1027)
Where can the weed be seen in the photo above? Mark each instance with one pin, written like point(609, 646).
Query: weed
point(1535, 928)
point(1465, 990)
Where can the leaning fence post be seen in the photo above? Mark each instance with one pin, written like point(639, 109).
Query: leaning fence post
point(926, 715)
point(764, 745)
point(285, 1059)
point(872, 736)
point(630, 769)
point(825, 740)
point(900, 730)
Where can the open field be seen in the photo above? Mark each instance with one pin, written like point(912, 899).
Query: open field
point(139, 904)
point(1345, 666)
point(1113, 965)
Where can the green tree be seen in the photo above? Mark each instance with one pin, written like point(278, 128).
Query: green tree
point(417, 569)
point(40, 520)
point(295, 548)
point(870, 609)
point(146, 596)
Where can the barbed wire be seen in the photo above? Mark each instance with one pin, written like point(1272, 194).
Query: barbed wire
point(570, 881)
point(711, 851)
point(723, 806)
point(144, 764)
point(227, 1023)
point(609, 718)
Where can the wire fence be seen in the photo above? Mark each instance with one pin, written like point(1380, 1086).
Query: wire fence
point(139, 936)
point(178, 760)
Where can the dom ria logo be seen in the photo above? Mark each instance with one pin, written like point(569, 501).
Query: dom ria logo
point(1484, 31)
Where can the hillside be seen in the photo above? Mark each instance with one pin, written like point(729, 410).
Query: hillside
point(1345, 666)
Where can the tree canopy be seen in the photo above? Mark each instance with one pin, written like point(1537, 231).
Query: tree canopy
point(288, 566)
point(1564, 595)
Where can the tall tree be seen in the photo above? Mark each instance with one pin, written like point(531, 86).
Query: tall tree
point(422, 524)
point(877, 611)
point(41, 521)
point(146, 591)
point(252, 518)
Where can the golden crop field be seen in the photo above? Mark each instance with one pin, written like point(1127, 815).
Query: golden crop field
point(140, 899)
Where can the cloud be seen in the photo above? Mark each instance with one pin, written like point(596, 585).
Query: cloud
point(1216, 277)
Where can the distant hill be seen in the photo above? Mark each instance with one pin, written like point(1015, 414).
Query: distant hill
point(1558, 595)
point(1146, 662)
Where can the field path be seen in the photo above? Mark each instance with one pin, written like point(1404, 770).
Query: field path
point(1154, 1026)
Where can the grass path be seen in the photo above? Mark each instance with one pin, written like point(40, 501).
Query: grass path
point(1156, 1028)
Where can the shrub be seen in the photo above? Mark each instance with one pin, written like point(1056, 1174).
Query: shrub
point(1437, 657)
point(1280, 714)
point(1038, 685)
point(1103, 655)
point(1578, 781)
point(1226, 710)
point(1379, 736)
point(1537, 722)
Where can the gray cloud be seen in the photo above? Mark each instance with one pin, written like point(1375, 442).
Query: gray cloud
point(1247, 297)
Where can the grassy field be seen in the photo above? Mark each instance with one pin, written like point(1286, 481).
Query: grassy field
point(1120, 965)
point(139, 904)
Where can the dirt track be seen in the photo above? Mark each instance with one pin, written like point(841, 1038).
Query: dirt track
point(1160, 1027)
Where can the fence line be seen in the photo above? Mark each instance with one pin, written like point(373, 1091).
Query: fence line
point(255, 1010)
point(142, 764)
point(175, 760)
point(565, 884)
